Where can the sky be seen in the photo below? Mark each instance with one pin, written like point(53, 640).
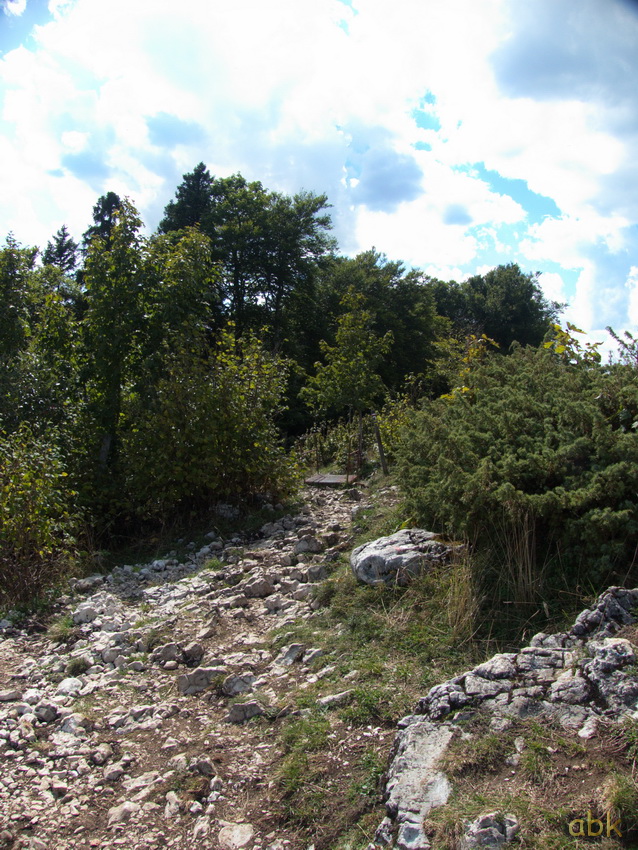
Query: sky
point(453, 135)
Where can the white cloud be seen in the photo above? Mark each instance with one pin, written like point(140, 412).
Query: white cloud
point(580, 310)
point(59, 7)
point(15, 7)
point(553, 287)
point(632, 285)
point(415, 234)
point(564, 240)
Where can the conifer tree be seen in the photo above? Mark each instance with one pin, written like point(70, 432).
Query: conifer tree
point(62, 251)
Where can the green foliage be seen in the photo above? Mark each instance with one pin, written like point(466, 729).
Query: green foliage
point(192, 203)
point(44, 386)
point(182, 289)
point(463, 357)
point(535, 467)
point(77, 666)
point(208, 430)
point(505, 304)
point(563, 343)
point(347, 381)
point(15, 265)
point(62, 252)
point(266, 245)
point(105, 216)
point(113, 280)
point(305, 734)
point(37, 546)
point(627, 347)
point(620, 797)
point(62, 630)
point(399, 303)
point(330, 444)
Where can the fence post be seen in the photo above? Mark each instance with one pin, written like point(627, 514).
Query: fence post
point(377, 433)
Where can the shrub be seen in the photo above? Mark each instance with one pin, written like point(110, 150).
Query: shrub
point(536, 464)
point(37, 543)
point(207, 432)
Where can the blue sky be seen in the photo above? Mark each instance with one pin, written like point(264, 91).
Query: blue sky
point(451, 134)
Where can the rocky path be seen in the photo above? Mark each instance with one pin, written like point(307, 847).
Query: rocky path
point(131, 730)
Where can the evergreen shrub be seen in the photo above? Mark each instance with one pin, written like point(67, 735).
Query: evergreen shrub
point(535, 463)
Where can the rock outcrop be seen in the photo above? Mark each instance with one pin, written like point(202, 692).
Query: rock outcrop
point(575, 678)
point(400, 557)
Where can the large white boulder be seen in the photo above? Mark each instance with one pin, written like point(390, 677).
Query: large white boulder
point(398, 558)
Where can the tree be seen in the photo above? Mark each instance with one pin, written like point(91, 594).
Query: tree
point(113, 279)
point(295, 240)
point(347, 380)
point(266, 243)
point(193, 200)
point(505, 304)
point(182, 290)
point(104, 219)
point(400, 303)
point(236, 227)
point(62, 251)
point(37, 542)
point(208, 431)
point(16, 264)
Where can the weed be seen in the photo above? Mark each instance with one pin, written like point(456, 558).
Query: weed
point(307, 734)
point(367, 785)
point(156, 637)
point(87, 706)
point(62, 630)
point(190, 787)
point(482, 753)
point(620, 798)
point(213, 564)
point(77, 666)
point(374, 705)
point(536, 762)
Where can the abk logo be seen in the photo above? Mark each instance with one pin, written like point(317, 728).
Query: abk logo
point(591, 827)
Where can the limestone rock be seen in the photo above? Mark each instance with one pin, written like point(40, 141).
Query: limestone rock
point(122, 813)
point(167, 652)
point(46, 711)
point(70, 686)
point(259, 587)
point(234, 836)
point(289, 654)
point(86, 585)
point(498, 667)
point(308, 544)
point(193, 653)
point(243, 711)
point(335, 700)
point(10, 696)
point(102, 754)
point(489, 830)
point(570, 688)
point(238, 684)
point(414, 786)
point(398, 558)
point(200, 679)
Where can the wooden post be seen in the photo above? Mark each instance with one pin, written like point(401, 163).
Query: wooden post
point(384, 465)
